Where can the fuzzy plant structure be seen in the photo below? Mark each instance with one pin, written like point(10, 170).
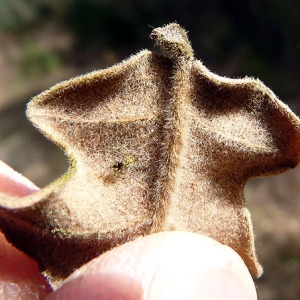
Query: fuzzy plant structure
point(155, 143)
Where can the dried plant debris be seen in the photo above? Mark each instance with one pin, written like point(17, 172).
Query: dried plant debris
point(156, 143)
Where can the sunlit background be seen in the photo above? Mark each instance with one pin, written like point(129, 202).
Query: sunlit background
point(43, 42)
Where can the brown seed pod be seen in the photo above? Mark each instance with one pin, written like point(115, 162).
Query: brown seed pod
point(179, 143)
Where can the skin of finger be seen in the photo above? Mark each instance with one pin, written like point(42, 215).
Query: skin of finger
point(167, 265)
point(13, 183)
point(20, 277)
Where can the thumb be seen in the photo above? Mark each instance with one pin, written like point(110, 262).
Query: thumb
point(167, 265)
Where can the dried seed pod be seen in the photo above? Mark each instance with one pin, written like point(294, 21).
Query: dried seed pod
point(184, 142)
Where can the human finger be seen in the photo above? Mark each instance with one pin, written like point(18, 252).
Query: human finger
point(20, 277)
point(167, 265)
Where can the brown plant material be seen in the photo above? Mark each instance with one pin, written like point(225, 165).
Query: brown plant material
point(156, 143)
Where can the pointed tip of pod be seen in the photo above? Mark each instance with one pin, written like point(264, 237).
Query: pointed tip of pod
point(173, 40)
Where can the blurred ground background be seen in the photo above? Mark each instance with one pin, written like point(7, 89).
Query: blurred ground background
point(43, 42)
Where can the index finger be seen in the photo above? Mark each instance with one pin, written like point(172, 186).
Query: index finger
point(13, 183)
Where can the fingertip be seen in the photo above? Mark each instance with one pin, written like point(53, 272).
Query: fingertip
point(13, 183)
point(203, 269)
point(213, 285)
point(167, 265)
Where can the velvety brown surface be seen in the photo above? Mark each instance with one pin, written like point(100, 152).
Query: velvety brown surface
point(156, 143)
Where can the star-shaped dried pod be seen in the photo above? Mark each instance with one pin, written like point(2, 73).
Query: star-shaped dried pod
point(156, 143)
